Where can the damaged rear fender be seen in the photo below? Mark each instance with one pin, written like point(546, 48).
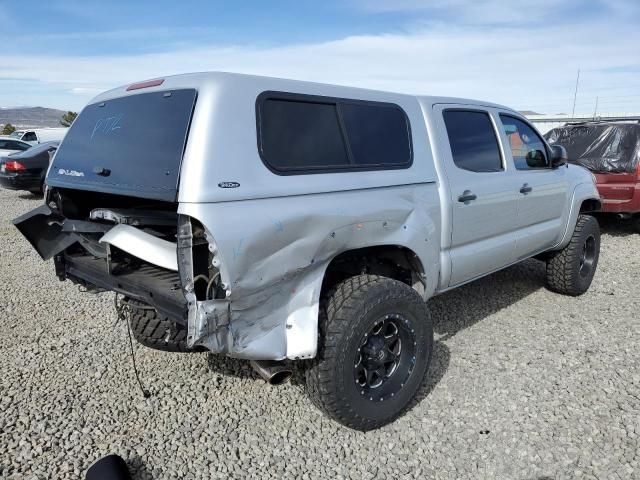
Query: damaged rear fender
point(273, 254)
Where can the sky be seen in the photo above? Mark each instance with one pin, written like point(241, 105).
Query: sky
point(522, 53)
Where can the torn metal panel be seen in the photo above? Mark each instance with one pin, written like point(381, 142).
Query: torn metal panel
point(275, 252)
point(143, 245)
point(43, 228)
point(185, 267)
point(207, 320)
point(134, 216)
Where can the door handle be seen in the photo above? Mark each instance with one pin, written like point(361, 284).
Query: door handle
point(526, 189)
point(467, 197)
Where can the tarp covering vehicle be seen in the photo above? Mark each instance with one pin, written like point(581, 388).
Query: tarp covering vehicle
point(600, 147)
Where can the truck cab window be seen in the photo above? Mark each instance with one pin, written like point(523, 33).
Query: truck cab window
point(30, 137)
point(473, 141)
point(527, 148)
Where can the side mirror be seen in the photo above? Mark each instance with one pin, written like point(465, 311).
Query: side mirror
point(559, 156)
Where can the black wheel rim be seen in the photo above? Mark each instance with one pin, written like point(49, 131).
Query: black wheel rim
point(385, 358)
point(587, 256)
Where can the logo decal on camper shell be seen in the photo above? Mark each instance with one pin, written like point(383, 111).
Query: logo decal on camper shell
point(70, 173)
point(228, 184)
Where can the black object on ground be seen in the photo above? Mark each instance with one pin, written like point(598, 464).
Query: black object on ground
point(111, 467)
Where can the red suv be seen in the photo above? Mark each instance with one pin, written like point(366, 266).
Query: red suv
point(611, 150)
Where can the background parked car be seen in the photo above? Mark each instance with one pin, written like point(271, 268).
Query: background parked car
point(26, 170)
point(40, 135)
point(611, 150)
point(11, 145)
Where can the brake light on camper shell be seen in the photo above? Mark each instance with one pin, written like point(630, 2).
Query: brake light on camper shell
point(146, 84)
point(14, 166)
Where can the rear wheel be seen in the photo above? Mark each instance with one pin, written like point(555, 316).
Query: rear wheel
point(636, 222)
point(377, 339)
point(156, 331)
point(571, 270)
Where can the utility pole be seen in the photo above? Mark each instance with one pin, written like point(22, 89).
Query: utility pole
point(575, 94)
point(595, 111)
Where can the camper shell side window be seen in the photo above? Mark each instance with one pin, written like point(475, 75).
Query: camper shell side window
point(304, 134)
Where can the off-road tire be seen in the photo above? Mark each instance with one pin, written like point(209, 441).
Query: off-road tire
point(346, 314)
point(635, 221)
point(564, 270)
point(156, 331)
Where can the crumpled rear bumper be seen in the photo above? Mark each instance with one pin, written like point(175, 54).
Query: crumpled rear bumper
point(51, 235)
point(153, 285)
point(98, 256)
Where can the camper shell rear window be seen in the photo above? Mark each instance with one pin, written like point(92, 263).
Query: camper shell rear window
point(302, 134)
point(131, 145)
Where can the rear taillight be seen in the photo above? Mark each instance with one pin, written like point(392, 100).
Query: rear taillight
point(14, 166)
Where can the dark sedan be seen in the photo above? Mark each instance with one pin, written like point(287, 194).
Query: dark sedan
point(26, 170)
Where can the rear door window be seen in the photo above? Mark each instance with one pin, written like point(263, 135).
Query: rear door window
point(473, 141)
point(311, 134)
point(16, 145)
point(13, 145)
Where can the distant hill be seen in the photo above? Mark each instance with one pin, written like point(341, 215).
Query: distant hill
point(31, 117)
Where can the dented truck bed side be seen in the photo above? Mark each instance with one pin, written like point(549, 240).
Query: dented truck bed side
point(275, 252)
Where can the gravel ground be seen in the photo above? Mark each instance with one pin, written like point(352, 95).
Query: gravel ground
point(524, 384)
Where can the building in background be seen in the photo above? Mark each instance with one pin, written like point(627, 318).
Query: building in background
point(544, 123)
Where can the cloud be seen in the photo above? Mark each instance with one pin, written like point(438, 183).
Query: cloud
point(526, 68)
point(85, 91)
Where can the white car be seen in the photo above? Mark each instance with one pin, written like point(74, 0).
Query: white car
point(40, 135)
point(10, 145)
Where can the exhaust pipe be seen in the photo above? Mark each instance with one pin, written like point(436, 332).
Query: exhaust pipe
point(273, 372)
point(623, 216)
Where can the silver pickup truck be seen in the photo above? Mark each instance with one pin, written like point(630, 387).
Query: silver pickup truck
point(282, 221)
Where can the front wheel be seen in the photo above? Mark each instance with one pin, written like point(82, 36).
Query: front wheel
point(377, 339)
point(571, 270)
